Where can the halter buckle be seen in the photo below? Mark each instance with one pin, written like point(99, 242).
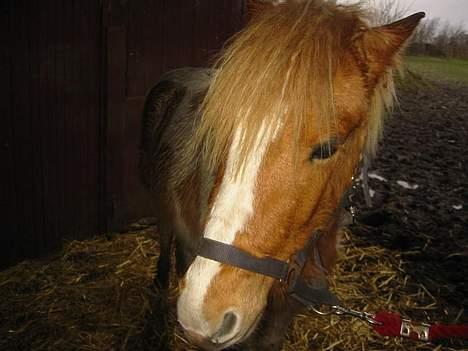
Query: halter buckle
point(297, 262)
point(294, 272)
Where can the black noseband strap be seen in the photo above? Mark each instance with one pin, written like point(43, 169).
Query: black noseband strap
point(311, 292)
point(229, 254)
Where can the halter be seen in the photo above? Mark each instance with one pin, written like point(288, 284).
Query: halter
point(309, 293)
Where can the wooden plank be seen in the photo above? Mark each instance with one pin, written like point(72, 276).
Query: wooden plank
point(155, 46)
point(58, 101)
point(48, 122)
point(65, 67)
point(8, 196)
point(76, 130)
point(52, 117)
point(215, 22)
point(23, 137)
point(177, 18)
point(87, 59)
point(37, 125)
point(116, 83)
point(138, 28)
point(102, 123)
point(136, 199)
point(91, 30)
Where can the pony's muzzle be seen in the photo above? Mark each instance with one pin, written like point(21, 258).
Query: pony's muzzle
point(228, 331)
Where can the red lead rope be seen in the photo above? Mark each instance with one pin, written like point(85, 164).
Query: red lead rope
point(391, 324)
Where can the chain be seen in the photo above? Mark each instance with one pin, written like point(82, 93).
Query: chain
point(342, 311)
point(352, 208)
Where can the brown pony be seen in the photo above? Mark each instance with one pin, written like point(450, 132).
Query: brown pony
point(258, 152)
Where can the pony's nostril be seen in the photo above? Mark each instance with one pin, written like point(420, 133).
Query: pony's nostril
point(227, 330)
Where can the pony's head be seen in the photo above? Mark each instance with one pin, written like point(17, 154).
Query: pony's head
point(297, 98)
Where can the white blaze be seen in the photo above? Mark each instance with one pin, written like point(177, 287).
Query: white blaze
point(230, 212)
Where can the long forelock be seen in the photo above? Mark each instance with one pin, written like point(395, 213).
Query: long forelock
point(281, 67)
point(381, 105)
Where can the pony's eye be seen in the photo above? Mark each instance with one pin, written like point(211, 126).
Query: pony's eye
point(324, 151)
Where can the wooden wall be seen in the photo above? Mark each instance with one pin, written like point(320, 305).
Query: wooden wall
point(73, 79)
point(51, 125)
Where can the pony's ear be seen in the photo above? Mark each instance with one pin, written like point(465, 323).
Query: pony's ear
point(380, 46)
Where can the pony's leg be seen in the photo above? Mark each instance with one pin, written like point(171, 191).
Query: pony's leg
point(157, 331)
point(184, 257)
point(164, 261)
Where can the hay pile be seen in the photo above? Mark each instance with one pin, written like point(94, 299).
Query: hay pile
point(96, 295)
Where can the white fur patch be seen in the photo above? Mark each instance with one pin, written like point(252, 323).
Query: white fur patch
point(230, 213)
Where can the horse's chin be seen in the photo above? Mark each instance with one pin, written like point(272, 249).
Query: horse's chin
point(243, 337)
point(252, 327)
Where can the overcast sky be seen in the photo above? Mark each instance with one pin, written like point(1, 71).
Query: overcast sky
point(455, 11)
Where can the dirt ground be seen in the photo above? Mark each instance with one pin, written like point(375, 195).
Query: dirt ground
point(425, 145)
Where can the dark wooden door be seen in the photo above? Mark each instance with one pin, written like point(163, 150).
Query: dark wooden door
point(51, 124)
point(74, 75)
point(144, 39)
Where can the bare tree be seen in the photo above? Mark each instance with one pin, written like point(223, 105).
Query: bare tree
point(452, 40)
point(432, 36)
point(427, 30)
point(386, 11)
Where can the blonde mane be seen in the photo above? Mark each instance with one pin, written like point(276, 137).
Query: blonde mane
point(381, 105)
point(281, 66)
